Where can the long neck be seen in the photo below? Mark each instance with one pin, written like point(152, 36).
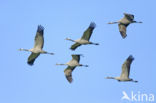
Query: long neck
point(60, 64)
point(70, 39)
point(112, 22)
point(21, 49)
point(110, 78)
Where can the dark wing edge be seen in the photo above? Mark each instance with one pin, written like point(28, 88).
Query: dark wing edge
point(87, 34)
point(68, 73)
point(129, 62)
point(39, 37)
point(32, 58)
point(129, 16)
point(122, 30)
point(74, 46)
point(76, 57)
point(40, 29)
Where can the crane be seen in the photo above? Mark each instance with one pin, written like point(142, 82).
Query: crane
point(125, 71)
point(124, 22)
point(72, 64)
point(37, 50)
point(84, 40)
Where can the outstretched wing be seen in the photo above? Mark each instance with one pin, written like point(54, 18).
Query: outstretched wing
point(76, 57)
point(87, 34)
point(125, 70)
point(130, 17)
point(74, 46)
point(68, 73)
point(126, 67)
point(32, 58)
point(122, 30)
point(39, 39)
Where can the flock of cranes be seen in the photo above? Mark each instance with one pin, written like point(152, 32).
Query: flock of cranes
point(84, 40)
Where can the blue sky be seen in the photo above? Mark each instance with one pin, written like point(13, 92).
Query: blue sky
point(45, 82)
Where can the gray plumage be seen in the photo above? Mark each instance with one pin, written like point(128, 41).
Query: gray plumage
point(124, 22)
point(125, 71)
point(72, 64)
point(38, 45)
point(84, 40)
point(68, 73)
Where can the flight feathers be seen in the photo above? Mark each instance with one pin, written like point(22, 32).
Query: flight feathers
point(92, 25)
point(40, 29)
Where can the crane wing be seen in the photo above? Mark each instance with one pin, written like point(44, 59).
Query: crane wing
point(130, 17)
point(32, 58)
point(122, 30)
point(39, 39)
point(87, 34)
point(68, 73)
point(74, 46)
point(126, 67)
point(76, 57)
point(125, 70)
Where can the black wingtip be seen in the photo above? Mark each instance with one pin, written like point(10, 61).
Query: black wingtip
point(30, 63)
point(73, 49)
point(40, 28)
point(131, 57)
point(69, 79)
point(123, 34)
point(92, 25)
point(123, 37)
